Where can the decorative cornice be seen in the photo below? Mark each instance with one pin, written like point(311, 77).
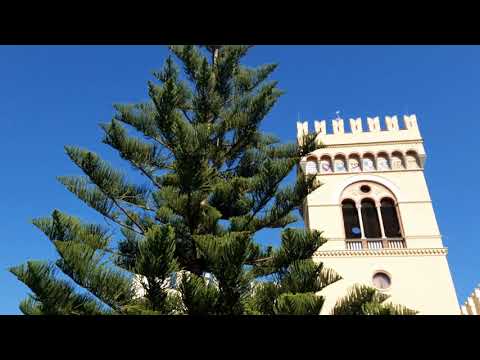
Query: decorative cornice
point(382, 252)
point(414, 237)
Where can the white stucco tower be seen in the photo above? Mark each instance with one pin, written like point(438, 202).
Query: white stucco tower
point(375, 210)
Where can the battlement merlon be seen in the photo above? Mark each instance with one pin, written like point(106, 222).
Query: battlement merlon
point(374, 134)
point(472, 305)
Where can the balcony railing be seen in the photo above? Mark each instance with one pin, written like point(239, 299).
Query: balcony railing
point(375, 244)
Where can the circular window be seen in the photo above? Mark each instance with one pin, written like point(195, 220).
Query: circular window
point(356, 230)
point(381, 280)
point(365, 188)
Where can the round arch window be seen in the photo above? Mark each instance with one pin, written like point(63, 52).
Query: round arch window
point(381, 280)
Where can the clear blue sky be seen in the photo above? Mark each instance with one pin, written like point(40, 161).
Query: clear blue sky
point(57, 95)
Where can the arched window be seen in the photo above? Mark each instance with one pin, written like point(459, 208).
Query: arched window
point(397, 160)
point(340, 163)
point(412, 160)
point(311, 166)
point(382, 162)
point(351, 220)
point(376, 225)
point(368, 163)
point(371, 224)
point(354, 163)
point(325, 164)
point(391, 225)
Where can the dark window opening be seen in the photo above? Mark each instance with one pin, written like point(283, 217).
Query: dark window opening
point(371, 224)
point(391, 224)
point(365, 188)
point(351, 220)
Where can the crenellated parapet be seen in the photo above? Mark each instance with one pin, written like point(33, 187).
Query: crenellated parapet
point(374, 149)
point(357, 134)
point(472, 305)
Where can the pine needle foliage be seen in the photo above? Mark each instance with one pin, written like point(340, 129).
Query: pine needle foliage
point(214, 181)
point(363, 300)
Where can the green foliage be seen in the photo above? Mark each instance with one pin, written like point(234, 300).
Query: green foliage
point(155, 262)
point(297, 277)
point(225, 256)
point(298, 304)
point(214, 179)
point(85, 267)
point(364, 300)
point(61, 227)
point(52, 296)
point(199, 297)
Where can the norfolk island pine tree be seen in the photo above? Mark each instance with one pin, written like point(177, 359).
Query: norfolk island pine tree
point(215, 180)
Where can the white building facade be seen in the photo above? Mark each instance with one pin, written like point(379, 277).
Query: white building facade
point(375, 210)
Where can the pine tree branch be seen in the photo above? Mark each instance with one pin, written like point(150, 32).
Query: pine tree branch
point(144, 172)
point(122, 224)
point(258, 260)
point(265, 200)
point(127, 215)
point(146, 208)
point(84, 266)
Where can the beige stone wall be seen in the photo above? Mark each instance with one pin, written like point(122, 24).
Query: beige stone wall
point(417, 217)
point(420, 282)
